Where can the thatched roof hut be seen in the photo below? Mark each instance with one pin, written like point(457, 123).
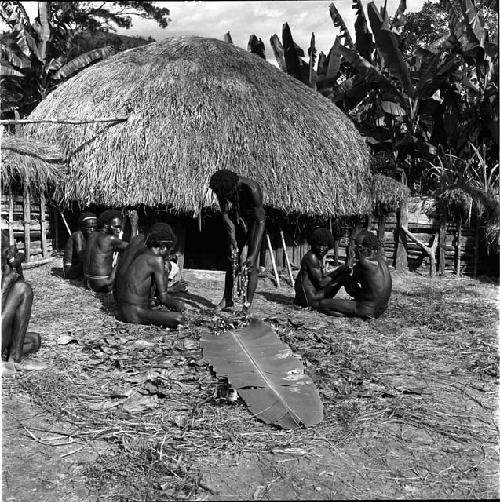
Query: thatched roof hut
point(30, 163)
point(387, 193)
point(196, 105)
point(29, 170)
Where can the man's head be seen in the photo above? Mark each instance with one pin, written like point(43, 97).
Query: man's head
point(161, 239)
point(321, 240)
point(87, 222)
point(224, 183)
point(366, 244)
point(111, 221)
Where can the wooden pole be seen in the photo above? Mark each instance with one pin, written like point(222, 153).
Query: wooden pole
point(336, 242)
point(286, 258)
point(273, 260)
point(11, 218)
point(458, 248)
point(65, 222)
point(62, 121)
point(381, 230)
point(401, 242)
point(27, 224)
point(442, 238)
point(43, 225)
point(56, 226)
point(476, 246)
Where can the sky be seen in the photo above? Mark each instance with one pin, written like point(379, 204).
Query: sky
point(261, 18)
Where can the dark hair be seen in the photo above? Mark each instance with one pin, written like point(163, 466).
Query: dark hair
point(85, 216)
point(321, 237)
point(369, 240)
point(224, 182)
point(160, 233)
point(106, 216)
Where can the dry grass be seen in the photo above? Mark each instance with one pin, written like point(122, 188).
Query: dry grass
point(413, 391)
point(197, 105)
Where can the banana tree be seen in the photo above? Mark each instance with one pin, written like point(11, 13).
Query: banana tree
point(33, 58)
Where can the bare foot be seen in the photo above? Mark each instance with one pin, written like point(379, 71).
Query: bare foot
point(8, 369)
point(29, 365)
point(225, 306)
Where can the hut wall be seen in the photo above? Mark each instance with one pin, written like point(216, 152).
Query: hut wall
point(25, 216)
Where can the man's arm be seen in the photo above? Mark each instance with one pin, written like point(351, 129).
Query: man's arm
point(161, 285)
point(118, 244)
point(315, 273)
point(228, 223)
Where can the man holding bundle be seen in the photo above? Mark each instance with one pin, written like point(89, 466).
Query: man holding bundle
point(241, 202)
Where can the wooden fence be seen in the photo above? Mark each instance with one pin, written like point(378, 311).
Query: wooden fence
point(463, 244)
point(25, 217)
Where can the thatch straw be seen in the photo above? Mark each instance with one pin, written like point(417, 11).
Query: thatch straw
point(388, 192)
point(197, 105)
point(30, 163)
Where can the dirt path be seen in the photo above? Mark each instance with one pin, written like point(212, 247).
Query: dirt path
point(409, 401)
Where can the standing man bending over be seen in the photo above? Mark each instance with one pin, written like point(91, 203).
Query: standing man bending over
point(241, 203)
point(135, 279)
point(98, 269)
point(74, 251)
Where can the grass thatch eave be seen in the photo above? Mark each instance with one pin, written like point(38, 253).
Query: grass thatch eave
point(387, 193)
point(197, 105)
point(30, 163)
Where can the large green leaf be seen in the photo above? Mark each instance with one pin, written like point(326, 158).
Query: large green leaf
point(84, 60)
point(292, 60)
point(388, 48)
point(364, 39)
point(339, 23)
point(266, 374)
point(279, 53)
point(44, 29)
point(334, 59)
point(9, 54)
point(6, 69)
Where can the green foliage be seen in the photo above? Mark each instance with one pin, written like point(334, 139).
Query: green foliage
point(37, 55)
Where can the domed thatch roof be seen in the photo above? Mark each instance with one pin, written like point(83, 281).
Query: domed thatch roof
point(30, 163)
point(197, 105)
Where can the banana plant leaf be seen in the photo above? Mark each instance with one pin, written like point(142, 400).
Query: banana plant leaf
point(338, 22)
point(84, 60)
point(279, 53)
point(364, 39)
point(265, 373)
point(388, 48)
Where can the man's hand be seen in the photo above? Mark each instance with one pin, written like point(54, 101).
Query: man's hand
point(241, 222)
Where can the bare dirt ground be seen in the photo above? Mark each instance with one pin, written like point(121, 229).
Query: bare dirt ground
point(133, 413)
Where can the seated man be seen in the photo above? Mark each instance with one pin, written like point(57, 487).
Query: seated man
point(312, 284)
point(74, 251)
point(98, 266)
point(370, 283)
point(17, 298)
point(138, 269)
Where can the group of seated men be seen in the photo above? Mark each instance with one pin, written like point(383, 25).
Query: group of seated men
point(138, 273)
point(139, 278)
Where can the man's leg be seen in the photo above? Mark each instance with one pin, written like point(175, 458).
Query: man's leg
point(254, 245)
point(336, 307)
point(16, 314)
point(227, 300)
point(144, 315)
point(74, 271)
